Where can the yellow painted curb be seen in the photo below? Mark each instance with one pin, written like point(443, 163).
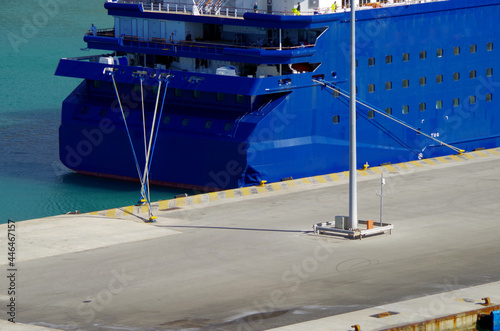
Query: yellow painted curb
point(277, 186)
point(416, 164)
point(429, 161)
point(390, 168)
point(403, 166)
point(213, 196)
point(320, 179)
point(442, 159)
point(480, 153)
point(455, 158)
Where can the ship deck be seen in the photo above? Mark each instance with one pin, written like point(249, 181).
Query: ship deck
point(247, 258)
point(238, 12)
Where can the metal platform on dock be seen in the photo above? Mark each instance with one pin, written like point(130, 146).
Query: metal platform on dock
point(330, 228)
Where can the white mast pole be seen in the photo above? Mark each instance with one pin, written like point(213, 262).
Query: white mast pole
point(353, 199)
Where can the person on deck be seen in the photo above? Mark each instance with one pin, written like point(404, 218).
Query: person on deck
point(298, 7)
point(255, 8)
point(334, 7)
point(93, 29)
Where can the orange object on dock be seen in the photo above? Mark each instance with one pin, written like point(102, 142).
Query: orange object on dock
point(369, 224)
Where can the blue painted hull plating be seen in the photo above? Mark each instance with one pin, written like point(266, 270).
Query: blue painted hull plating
point(433, 66)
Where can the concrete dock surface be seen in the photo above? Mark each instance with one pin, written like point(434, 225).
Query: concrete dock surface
point(253, 263)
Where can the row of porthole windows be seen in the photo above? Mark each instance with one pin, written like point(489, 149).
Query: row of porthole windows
point(423, 54)
point(370, 115)
point(219, 96)
point(423, 80)
point(186, 120)
point(177, 92)
point(196, 93)
point(166, 119)
point(208, 123)
point(405, 109)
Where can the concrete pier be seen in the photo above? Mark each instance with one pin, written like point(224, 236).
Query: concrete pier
point(252, 262)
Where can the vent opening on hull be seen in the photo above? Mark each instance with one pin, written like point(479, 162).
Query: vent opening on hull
point(303, 67)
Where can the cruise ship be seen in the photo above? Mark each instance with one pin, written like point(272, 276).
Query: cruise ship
point(218, 94)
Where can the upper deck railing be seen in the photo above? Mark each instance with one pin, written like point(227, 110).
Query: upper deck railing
point(183, 8)
point(192, 46)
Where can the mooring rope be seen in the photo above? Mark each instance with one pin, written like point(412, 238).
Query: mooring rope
point(145, 179)
point(149, 147)
point(141, 78)
point(112, 73)
point(166, 78)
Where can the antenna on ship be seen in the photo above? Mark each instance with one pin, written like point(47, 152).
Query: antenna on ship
point(353, 196)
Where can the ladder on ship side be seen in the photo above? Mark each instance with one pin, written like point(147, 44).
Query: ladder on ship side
point(218, 6)
point(202, 5)
point(337, 92)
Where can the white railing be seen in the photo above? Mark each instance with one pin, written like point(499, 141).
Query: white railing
point(178, 8)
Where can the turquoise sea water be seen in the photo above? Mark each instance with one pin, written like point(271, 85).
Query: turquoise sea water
point(34, 35)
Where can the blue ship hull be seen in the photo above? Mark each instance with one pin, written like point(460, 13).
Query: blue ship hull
point(432, 66)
